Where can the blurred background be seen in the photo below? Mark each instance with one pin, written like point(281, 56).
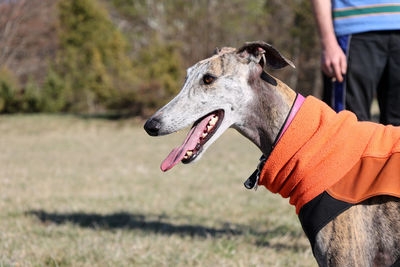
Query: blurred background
point(130, 56)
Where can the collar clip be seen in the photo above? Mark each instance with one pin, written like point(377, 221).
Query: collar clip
point(252, 181)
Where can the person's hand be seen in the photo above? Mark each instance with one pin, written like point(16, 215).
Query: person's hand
point(333, 61)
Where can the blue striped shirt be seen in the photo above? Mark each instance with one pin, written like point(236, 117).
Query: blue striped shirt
point(355, 16)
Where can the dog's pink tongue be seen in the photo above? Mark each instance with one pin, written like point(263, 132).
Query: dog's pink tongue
point(190, 143)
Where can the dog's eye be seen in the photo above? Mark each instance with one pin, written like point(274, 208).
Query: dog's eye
point(208, 79)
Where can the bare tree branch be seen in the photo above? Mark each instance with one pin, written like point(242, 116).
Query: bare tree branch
point(27, 36)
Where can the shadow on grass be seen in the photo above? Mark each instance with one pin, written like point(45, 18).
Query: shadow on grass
point(157, 224)
point(124, 220)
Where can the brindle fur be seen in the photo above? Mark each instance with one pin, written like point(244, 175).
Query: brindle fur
point(367, 234)
point(256, 104)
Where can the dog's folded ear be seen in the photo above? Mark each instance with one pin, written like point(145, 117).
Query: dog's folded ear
point(264, 54)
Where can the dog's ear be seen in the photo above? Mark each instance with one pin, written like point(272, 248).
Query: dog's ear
point(264, 54)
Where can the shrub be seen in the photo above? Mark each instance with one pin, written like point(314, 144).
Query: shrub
point(8, 91)
point(30, 99)
point(55, 93)
point(159, 66)
point(14, 98)
point(92, 62)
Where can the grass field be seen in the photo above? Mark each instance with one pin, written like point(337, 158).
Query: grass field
point(89, 192)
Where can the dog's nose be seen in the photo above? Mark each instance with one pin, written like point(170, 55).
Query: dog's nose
point(152, 126)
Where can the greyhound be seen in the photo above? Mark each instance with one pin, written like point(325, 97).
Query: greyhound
point(232, 89)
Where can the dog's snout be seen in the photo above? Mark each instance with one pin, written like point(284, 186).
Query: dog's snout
point(152, 126)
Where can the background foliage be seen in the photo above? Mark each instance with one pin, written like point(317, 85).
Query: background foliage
point(129, 56)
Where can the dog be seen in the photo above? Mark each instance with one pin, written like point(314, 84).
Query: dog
point(340, 174)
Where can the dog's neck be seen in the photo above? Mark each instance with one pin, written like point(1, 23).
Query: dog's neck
point(267, 112)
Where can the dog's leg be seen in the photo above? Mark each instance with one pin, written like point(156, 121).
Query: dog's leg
point(367, 234)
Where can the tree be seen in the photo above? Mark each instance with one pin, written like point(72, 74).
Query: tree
point(92, 59)
point(27, 37)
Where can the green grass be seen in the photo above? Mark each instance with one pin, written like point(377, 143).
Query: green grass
point(89, 192)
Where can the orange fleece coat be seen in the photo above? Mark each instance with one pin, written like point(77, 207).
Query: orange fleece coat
point(325, 151)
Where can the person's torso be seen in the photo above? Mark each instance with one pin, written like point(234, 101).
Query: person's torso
point(356, 16)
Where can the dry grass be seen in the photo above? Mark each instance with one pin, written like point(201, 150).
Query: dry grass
point(89, 192)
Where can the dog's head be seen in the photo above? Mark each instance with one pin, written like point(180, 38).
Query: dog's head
point(214, 97)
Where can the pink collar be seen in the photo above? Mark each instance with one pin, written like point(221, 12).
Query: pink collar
point(296, 106)
point(252, 181)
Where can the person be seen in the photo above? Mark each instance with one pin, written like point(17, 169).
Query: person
point(360, 41)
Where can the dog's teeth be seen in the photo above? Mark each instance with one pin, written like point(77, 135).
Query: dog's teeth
point(186, 157)
point(189, 153)
point(204, 135)
point(209, 128)
point(213, 121)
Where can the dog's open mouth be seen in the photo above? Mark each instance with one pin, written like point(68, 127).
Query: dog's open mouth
point(202, 130)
